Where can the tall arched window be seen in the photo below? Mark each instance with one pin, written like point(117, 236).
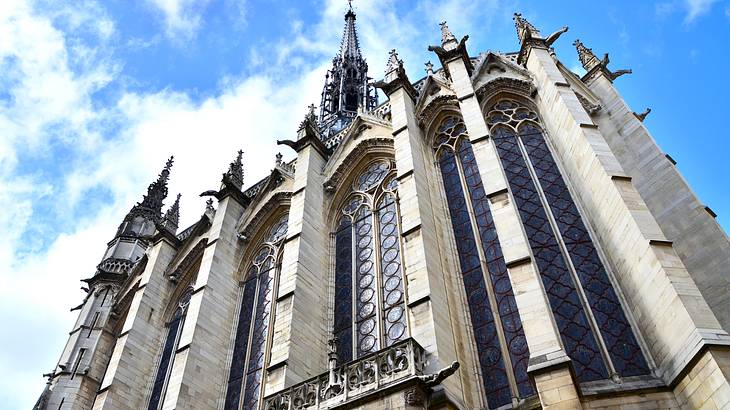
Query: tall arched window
point(500, 341)
point(168, 352)
point(369, 309)
point(594, 329)
point(254, 321)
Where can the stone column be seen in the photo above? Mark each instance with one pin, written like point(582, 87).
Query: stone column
point(670, 311)
point(199, 376)
point(549, 365)
point(131, 368)
point(430, 320)
point(299, 349)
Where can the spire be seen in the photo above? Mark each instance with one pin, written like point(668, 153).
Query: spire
point(347, 87)
point(157, 191)
point(235, 171)
point(350, 46)
point(172, 216)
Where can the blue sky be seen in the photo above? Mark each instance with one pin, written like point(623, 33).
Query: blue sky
point(94, 95)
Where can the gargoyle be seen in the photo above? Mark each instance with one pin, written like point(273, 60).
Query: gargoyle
point(552, 37)
point(642, 115)
point(434, 379)
point(618, 73)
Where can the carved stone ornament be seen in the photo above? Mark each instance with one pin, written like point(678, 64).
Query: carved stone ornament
point(587, 105)
point(530, 37)
point(364, 147)
point(413, 397)
point(501, 84)
point(594, 66)
point(251, 225)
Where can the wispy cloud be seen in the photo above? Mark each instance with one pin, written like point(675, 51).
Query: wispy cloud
point(696, 8)
point(181, 18)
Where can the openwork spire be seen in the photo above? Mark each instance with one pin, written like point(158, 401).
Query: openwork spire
point(235, 171)
point(347, 87)
point(157, 191)
point(172, 216)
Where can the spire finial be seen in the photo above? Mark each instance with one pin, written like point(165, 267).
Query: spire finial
point(393, 62)
point(279, 158)
point(234, 174)
point(446, 35)
point(172, 216)
point(525, 30)
point(157, 191)
point(349, 4)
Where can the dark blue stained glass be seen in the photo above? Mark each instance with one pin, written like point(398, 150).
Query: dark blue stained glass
point(394, 316)
point(260, 331)
point(623, 348)
point(343, 291)
point(163, 368)
point(366, 299)
point(494, 376)
point(511, 324)
point(238, 365)
point(580, 343)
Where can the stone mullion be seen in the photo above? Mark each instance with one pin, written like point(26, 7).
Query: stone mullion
point(656, 279)
point(132, 367)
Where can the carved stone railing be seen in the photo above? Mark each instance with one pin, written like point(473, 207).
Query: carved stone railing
point(396, 364)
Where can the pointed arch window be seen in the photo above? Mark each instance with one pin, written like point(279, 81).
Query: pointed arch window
point(369, 306)
point(500, 341)
point(255, 320)
point(594, 329)
point(168, 352)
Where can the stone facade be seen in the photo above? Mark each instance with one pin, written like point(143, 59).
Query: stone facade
point(499, 234)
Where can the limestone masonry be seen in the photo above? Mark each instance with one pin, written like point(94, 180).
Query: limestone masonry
point(499, 234)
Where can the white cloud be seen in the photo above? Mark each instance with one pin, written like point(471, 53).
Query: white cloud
point(182, 18)
point(696, 8)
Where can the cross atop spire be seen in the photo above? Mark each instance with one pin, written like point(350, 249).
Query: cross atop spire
point(446, 34)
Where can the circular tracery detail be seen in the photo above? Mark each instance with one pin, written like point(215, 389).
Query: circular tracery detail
point(510, 112)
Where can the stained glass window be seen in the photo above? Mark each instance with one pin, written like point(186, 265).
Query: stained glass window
point(532, 172)
point(479, 251)
point(168, 353)
point(369, 308)
point(254, 321)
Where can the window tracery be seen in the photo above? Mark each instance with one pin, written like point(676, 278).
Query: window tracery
point(369, 309)
point(533, 174)
point(500, 341)
point(254, 321)
point(168, 352)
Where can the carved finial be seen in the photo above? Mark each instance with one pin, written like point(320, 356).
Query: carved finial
point(278, 158)
point(393, 62)
point(157, 191)
point(446, 35)
point(310, 118)
point(235, 173)
point(172, 216)
point(209, 205)
point(429, 68)
point(642, 116)
point(525, 30)
point(589, 61)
